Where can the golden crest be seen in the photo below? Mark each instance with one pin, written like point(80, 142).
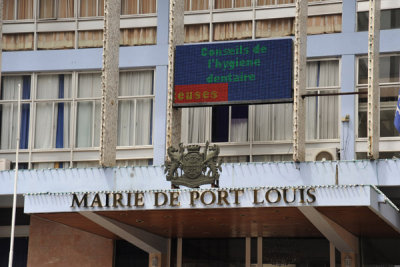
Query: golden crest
point(189, 167)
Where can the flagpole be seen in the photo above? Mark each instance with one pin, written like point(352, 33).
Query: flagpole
point(10, 259)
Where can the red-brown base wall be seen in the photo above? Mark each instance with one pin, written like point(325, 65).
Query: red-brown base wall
point(54, 244)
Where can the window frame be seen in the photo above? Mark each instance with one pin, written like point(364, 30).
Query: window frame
point(252, 148)
point(23, 101)
point(324, 89)
point(15, 13)
point(359, 86)
point(254, 13)
point(55, 12)
point(135, 98)
point(73, 154)
point(75, 23)
point(36, 101)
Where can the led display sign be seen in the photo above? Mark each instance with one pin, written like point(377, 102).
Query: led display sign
point(233, 73)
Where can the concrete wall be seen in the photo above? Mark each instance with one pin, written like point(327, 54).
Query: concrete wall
point(54, 244)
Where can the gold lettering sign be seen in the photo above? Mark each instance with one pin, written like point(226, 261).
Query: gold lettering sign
point(196, 198)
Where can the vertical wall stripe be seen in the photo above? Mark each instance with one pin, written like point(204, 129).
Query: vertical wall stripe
point(349, 16)
point(60, 114)
point(25, 112)
point(347, 107)
point(159, 114)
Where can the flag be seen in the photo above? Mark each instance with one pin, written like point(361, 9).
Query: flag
point(397, 115)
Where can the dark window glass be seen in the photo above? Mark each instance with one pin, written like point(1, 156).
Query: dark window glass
point(380, 251)
point(127, 254)
point(21, 165)
point(299, 251)
point(213, 252)
point(362, 21)
point(220, 122)
point(390, 19)
point(382, 155)
point(392, 192)
point(388, 100)
point(338, 258)
point(20, 217)
point(253, 249)
point(174, 244)
point(240, 112)
point(389, 73)
point(389, 69)
point(20, 251)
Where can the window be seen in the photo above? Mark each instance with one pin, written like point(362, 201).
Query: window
point(52, 113)
point(8, 111)
point(378, 251)
point(90, 8)
point(128, 37)
point(272, 122)
point(92, 38)
point(382, 155)
point(217, 124)
point(52, 165)
point(196, 127)
point(390, 19)
point(17, 9)
point(126, 254)
point(51, 11)
point(259, 25)
point(213, 252)
point(232, 3)
point(56, 9)
point(20, 251)
point(88, 110)
point(273, 2)
point(273, 158)
point(232, 31)
point(138, 36)
point(55, 40)
point(281, 27)
point(135, 108)
point(61, 116)
point(266, 28)
point(191, 5)
point(322, 115)
point(280, 2)
point(295, 251)
point(233, 129)
point(389, 82)
point(129, 7)
point(197, 33)
point(17, 41)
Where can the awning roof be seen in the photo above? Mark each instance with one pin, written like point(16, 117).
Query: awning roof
point(380, 173)
point(360, 209)
point(218, 223)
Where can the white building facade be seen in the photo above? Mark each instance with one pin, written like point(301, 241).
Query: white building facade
point(267, 211)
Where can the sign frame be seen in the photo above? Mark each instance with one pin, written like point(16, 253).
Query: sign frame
point(252, 44)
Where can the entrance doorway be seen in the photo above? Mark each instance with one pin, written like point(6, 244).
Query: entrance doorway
point(231, 252)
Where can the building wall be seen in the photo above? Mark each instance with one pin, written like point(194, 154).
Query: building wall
point(54, 244)
point(343, 44)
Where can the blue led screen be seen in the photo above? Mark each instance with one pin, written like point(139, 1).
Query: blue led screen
point(233, 73)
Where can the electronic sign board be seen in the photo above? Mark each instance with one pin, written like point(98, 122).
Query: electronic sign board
point(233, 73)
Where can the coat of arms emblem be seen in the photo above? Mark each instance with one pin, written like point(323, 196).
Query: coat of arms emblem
point(189, 167)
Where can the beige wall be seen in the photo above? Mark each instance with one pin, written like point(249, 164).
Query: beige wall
point(54, 244)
